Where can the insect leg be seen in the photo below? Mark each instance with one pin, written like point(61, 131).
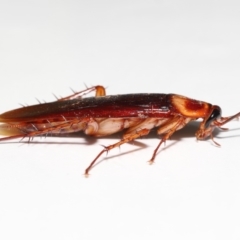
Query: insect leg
point(129, 138)
point(169, 128)
point(13, 137)
point(68, 126)
point(100, 91)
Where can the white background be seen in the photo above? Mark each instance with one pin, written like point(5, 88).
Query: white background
point(186, 47)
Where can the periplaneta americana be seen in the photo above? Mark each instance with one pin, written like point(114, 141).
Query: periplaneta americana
point(104, 115)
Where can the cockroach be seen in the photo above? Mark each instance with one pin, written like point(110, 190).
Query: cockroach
point(104, 115)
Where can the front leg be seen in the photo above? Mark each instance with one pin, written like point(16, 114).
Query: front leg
point(168, 129)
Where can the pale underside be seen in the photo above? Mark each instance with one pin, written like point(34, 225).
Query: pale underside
point(99, 127)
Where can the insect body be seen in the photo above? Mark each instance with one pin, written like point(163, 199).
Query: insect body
point(103, 115)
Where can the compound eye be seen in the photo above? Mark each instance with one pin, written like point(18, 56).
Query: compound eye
point(216, 113)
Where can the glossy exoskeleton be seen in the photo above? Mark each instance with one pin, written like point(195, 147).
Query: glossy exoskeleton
point(103, 115)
